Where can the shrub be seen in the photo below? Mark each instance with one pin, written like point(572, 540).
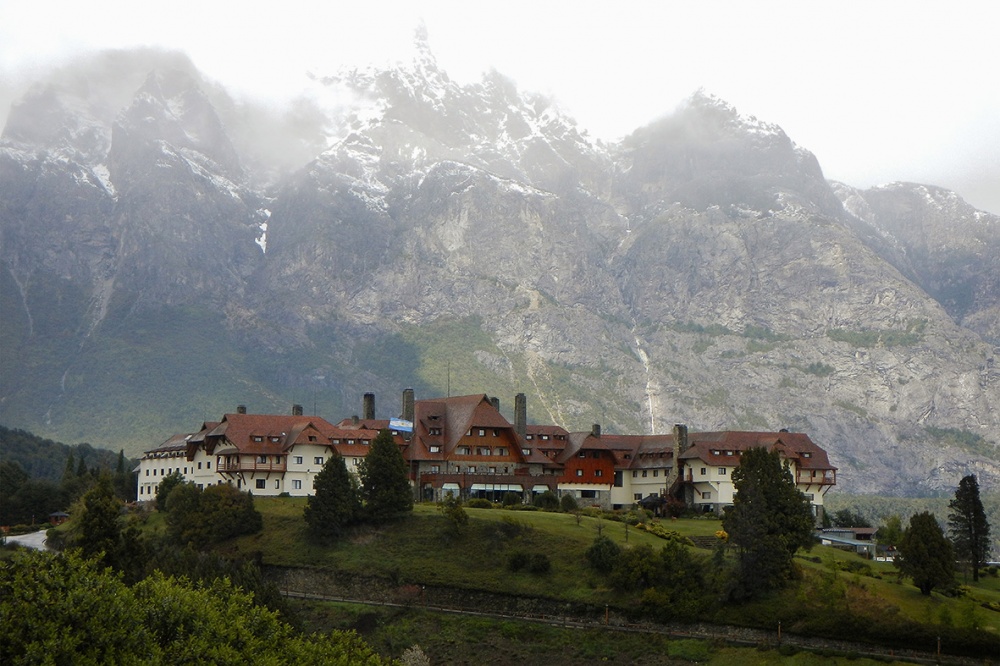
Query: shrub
point(568, 503)
point(511, 499)
point(479, 503)
point(603, 554)
point(547, 501)
point(517, 560)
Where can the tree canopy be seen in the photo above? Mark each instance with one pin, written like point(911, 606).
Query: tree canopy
point(68, 609)
point(967, 525)
point(925, 554)
point(385, 484)
point(769, 521)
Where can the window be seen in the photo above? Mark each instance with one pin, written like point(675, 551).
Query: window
point(706, 495)
point(464, 450)
point(526, 452)
point(435, 469)
point(482, 432)
point(729, 453)
point(810, 497)
point(262, 460)
point(154, 472)
point(637, 496)
point(201, 486)
point(185, 470)
point(644, 473)
point(529, 436)
point(703, 471)
point(588, 494)
point(493, 470)
point(496, 433)
point(435, 449)
point(275, 440)
point(598, 472)
point(595, 454)
point(298, 460)
point(501, 452)
point(260, 483)
point(722, 471)
point(199, 465)
point(656, 472)
point(297, 484)
point(147, 472)
point(579, 472)
point(544, 436)
point(581, 454)
point(435, 431)
point(318, 460)
point(277, 484)
point(806, 455)
point(209, 464)
point(258, 439)
point(312, 438)
point(635, 473)
point(350, 441)
point(336, 440)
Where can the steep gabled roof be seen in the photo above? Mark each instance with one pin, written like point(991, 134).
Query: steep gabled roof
point(712, 447)
point(276, 432)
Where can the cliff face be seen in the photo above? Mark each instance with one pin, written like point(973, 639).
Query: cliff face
point(472, 238)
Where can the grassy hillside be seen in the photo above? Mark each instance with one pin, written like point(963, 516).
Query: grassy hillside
point(839, 594)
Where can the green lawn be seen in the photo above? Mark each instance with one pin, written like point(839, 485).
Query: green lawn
point(839, 594)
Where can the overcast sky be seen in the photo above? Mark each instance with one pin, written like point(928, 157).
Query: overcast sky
point(879, 91)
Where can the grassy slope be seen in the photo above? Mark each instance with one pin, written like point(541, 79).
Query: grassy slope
point(419, 549)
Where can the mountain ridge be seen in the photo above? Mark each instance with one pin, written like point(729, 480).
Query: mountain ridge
point(470, 237)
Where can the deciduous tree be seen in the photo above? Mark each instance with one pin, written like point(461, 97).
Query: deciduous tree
point(385, 484)
point(967, 525)
point(925, 554)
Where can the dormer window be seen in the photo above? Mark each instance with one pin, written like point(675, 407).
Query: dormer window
point(545, 436)
point(258, 438)
point(529, 436)
point(312, 438)
point(435, 449)
point(526, 452)
point(806, 454)
point(729, 453)
point(275, 439)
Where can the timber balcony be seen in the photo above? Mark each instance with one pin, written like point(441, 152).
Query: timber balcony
point(250, 466)
point(818, 477)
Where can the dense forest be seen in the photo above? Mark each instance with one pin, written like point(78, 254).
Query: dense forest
point(39, 476)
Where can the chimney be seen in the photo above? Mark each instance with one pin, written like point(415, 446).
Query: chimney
point(296, 410)
point(596, 430)
point(355, 420)
point(520, 414)
point(408, 410)
point(496, 403)
point(241, 409)
point(369, 407)
point(680, 437)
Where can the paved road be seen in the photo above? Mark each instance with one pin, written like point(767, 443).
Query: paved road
point(34, 540)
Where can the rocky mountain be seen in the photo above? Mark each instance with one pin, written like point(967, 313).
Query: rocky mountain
point(158, 269)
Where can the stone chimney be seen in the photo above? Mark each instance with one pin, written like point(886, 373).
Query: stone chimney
point(496, 403)
point(520, 414)
point(241, 409)
point(595, 430)
point(681, 444)
point(680, 439)
point(296, 410)
point(368, 409)
point(408, 410)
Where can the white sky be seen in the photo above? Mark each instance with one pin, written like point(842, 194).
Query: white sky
point(878, 90)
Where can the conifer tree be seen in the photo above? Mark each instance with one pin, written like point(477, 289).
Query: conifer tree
point(769, 521)
point(925, 554)
point(336, 503)
point(967, 525)
point(385, 484)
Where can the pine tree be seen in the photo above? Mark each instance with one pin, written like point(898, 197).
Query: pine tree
point(925, 554)
point(967, 525)
point(336, 503)
point(769, 521)
point(385, 484)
